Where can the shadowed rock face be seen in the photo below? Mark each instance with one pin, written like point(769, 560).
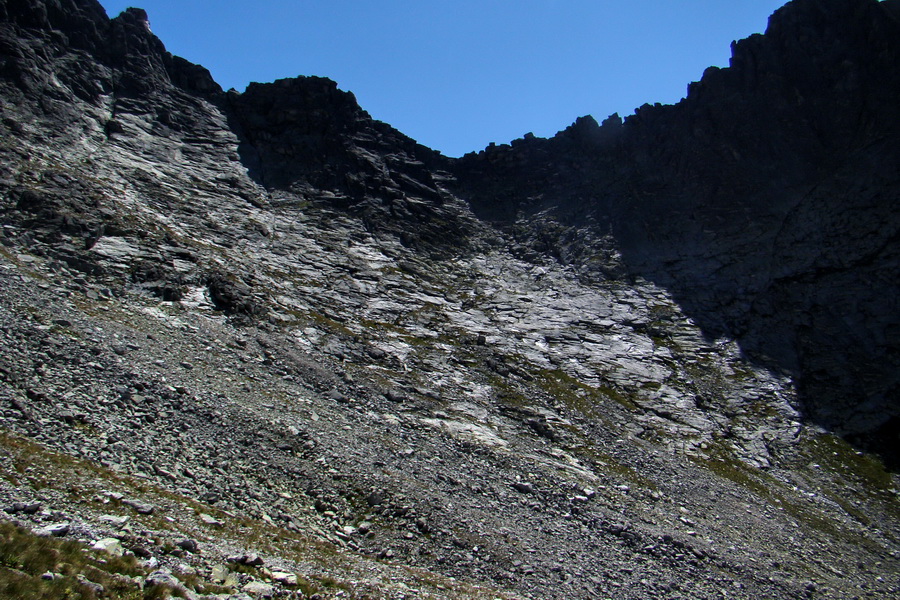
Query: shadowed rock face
point(766, 201)
point(596, 365)
point(305, 136)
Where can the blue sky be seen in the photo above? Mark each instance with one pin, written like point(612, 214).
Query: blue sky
point(457, 75)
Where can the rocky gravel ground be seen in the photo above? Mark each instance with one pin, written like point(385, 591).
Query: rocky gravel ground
point(494, 441)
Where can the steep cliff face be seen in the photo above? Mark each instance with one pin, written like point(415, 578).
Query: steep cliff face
point(262, 322)
point(305, 136)
point(766, 201)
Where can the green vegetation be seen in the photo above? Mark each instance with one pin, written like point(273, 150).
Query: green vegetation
point(723, 463)
point(863, 475)
point(25, 557)
point(839, 456)
point(579, 396)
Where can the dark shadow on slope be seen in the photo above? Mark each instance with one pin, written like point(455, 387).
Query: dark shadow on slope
point(765, 202)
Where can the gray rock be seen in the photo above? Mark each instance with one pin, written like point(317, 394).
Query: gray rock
point(95, 588)
point(524, 487)
point(142, 508)
point(210, 520)
point(54, 530)
point(284, 578)
point(259, 589)
point(28, 508)
point(164, 579)
point(115, 520)
point(188, 544)
point(109, 545)
point(250, 560)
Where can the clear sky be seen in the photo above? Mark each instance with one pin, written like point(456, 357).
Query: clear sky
point(459, 74)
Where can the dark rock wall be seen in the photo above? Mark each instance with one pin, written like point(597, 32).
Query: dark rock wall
point(775, 211)
point(765, 200)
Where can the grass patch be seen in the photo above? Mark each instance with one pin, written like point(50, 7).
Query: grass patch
point(721, 462)
point(25, 557)
point(839, 456)
point(724, 464)
point(864, 474)
point(329, 324)
point(614, 394)
point(589, 402)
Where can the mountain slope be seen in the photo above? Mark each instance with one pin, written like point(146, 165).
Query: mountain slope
point(266, 323)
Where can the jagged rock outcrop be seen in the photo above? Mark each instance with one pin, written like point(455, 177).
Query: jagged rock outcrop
point(273, 346)
point(765, 201)
point(305, 136)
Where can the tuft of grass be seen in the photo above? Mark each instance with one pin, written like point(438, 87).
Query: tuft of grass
point(25, 557)
point(723, 463)
point(590, 402)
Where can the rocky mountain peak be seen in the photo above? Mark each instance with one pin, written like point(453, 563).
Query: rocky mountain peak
point(66, 16)
point(136, 16)
point(585, 132)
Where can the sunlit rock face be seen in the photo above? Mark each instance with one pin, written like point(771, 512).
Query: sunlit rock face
point(289, 340)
